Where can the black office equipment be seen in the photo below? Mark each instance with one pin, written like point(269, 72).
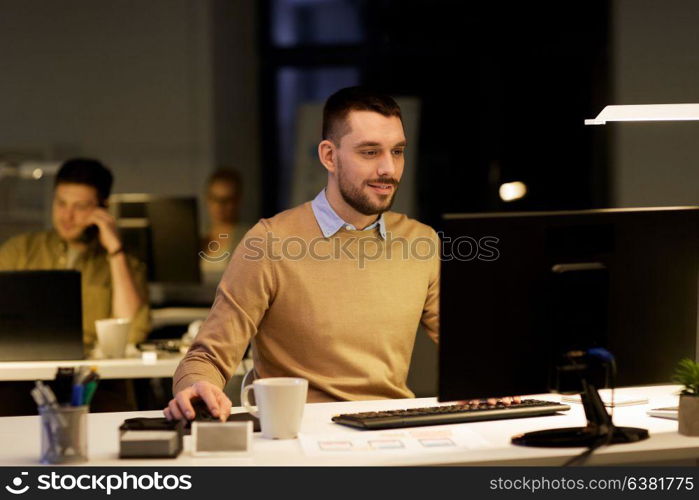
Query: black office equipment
point(40, 316)
point(533, 294)
point(448, 414)
point(137, 439)
point(202, 414)
point(163, 232)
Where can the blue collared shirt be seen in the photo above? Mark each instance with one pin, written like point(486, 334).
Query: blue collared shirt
point(330, 222)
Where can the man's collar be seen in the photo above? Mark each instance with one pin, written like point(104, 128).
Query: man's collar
point(330, 223)
point(56, 243)
point(93, 246)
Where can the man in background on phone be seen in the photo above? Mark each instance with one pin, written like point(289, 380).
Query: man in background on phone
point(84, 237)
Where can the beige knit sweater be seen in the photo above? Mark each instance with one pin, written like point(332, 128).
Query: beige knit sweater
point(341, 312)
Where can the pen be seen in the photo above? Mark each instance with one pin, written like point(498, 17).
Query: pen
point(43, 393)
point(80, 375)
point(90, 389)
point(38, 397)
point(78, 395)
point(91, 375)
point(48, 397)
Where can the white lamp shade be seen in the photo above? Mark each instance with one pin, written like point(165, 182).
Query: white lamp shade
point(646, 113)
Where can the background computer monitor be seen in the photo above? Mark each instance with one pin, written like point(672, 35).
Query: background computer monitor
point(519, 288)
point(161, 231)
point(40, 316)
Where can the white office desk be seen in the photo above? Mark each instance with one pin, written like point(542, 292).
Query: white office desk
point(107, 368)
point(127, 368)
point(177, 316)
point(20, 438)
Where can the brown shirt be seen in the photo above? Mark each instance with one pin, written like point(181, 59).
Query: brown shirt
point(341, 311)
point(46, 250)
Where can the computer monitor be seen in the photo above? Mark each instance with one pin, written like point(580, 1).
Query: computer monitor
point(520, 290)
point(163, 232)
point(40, 316)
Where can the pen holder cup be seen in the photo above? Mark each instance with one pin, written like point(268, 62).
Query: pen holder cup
point(63, 434)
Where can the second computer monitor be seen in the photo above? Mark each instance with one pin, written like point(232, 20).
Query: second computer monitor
point(41, 315)
point(163, 232)
point(517, 290)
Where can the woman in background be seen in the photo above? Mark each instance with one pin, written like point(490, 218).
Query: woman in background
point(224, 191)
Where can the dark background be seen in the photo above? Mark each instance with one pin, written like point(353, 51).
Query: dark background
point(504, 88)
point(167, 90)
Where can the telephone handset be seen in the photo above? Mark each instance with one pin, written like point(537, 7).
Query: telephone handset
point(91, 232)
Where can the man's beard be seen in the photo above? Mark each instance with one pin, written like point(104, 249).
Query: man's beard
point(356, 198)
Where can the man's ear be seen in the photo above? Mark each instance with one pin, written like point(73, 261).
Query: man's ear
point(326, 155)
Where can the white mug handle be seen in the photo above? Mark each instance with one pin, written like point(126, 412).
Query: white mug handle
point(248, 379)
point(246, 402)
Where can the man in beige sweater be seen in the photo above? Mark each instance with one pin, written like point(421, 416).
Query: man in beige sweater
point(332, 290)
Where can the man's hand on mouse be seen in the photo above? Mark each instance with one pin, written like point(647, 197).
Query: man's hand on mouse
point(180, 407)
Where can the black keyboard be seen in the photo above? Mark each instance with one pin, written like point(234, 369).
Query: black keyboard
point(452, 414)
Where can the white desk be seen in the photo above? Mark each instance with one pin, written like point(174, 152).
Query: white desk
point(177, 316)
point(107, 368)
point(20, 438)
point(127, 368)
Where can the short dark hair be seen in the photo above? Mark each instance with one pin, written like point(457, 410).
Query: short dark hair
point(339, 105)
point(86, 171)
point(226, 174)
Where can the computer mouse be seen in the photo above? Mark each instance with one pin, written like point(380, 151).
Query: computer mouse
point(201, 411)
point(202, 414)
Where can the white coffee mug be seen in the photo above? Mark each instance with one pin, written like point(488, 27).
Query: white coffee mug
point(280, 402)
point(112, 335)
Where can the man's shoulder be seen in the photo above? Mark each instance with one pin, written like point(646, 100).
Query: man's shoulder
point(401, 225)
point(30, 239)
point(24, 249)
point(298, 220)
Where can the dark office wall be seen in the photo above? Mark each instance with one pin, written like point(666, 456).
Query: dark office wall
point(235, 95)
point(656, 61)
point(125, 81)
point(505, 87)
point(136, 84)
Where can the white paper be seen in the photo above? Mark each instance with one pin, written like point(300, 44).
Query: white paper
point(620, 398)
point(427, 439)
